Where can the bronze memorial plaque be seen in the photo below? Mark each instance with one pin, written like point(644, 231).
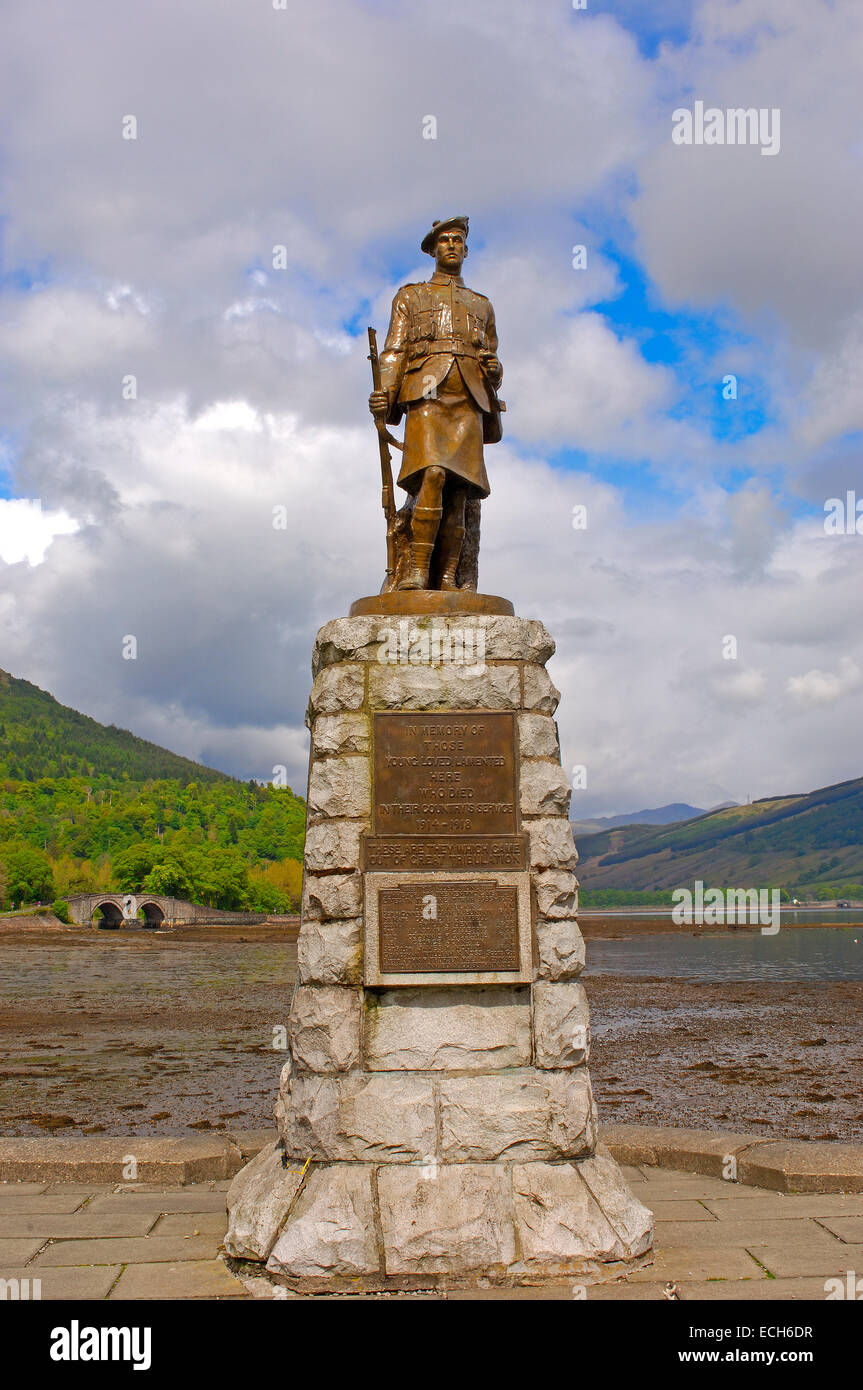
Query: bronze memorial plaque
point(443, 853)
point(439, 926)
point(445, 774)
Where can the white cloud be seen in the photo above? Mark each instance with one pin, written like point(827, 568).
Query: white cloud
point(26, 530)
point(815, 687)
point(154, 258)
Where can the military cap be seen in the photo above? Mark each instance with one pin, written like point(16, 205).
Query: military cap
point(431, 237)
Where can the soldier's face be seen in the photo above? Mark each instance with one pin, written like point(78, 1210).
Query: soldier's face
point(450, 251)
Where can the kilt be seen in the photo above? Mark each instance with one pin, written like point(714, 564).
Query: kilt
point(445, 431)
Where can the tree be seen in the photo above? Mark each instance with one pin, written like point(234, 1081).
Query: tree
point(169, 878)
point(28, 874)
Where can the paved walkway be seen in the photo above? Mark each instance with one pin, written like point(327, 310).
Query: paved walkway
point(714, 1240)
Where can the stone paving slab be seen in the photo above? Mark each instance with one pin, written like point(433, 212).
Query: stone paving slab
point(192, 1223)
point(166, 1200)
point(39, 1203)
point(83, 1189)
point(148, 1249)
point(691, 1291)
point(745, 1233)
point(715, 1240)
point(81, 1281)
point(85, 1224)
point(189, 1279)
point(677, 1208)
point(662, 1185)
point(700, 1262)
point(760, 1207)
point(848, 1228)
point(18, 1252)
point(794, 1260)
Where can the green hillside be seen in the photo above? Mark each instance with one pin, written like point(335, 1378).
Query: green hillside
point(39, 737)
point(84, 807)
point(811, 845)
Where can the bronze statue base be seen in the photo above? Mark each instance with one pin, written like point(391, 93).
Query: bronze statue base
point(413, 602)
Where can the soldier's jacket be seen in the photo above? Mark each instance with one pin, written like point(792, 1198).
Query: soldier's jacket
point(434, 324)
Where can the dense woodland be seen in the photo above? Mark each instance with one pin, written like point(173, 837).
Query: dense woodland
point(85, 808)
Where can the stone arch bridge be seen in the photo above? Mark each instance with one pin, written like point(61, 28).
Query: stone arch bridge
point(122, 910)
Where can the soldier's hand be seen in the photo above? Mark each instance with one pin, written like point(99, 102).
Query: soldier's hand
point(379, 404)
point(491, 366)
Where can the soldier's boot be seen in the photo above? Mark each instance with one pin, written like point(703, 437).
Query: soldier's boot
point(450, 553)
point(424, 528)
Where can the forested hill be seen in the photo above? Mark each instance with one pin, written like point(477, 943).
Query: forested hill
point(810, 845)
point(85, 808)
point(39, 737)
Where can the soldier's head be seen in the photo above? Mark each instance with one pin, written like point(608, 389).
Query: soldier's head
point(447, 242)
point(450, 249)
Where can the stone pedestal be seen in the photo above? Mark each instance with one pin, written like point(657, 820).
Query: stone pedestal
point(437, 1124)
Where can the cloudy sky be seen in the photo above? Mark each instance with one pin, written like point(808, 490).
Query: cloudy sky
point(303, 127)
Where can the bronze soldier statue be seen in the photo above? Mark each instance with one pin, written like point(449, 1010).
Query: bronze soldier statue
point(440, 369)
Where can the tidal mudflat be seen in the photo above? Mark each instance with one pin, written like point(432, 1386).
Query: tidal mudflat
point(151, 1033)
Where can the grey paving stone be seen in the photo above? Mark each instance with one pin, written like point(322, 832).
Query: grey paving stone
point(85, 1225)
point(544, 1292)
point(695, 1262)
point(799, 1259)
point(766, 1290)
point(189, 1223)
point(645, 1292)
point(22, 1187)
point(56, 1189)
point(165, 1199)
point(39, 1203)
point(692, 1185)
point(121, 1188)
point(146, 1250)
point(678, 1208)
point(742, 1232)
point(766, 1206)
point(87, 1282)
point(186, 1279)
point(847, 1228)
point(18, 1252)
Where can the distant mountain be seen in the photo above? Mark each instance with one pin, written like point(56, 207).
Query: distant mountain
point(39, 737)
point(661, 815)
point(798, 841)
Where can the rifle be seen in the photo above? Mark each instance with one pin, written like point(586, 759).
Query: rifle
point(385, 439)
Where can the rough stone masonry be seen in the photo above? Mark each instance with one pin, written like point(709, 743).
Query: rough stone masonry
point(434, 1134)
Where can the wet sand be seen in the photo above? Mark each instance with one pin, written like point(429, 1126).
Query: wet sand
point(171, 1033)
point(770, 1058)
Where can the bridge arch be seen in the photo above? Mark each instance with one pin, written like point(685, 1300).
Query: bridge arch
point(153, 914)
point(112, 915)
